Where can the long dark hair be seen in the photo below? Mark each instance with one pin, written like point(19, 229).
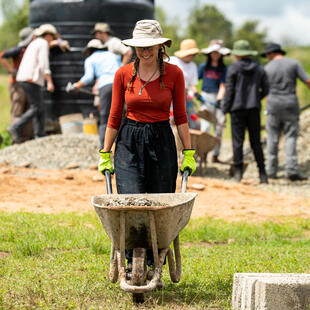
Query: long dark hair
point(162, 54)
point(220, 65)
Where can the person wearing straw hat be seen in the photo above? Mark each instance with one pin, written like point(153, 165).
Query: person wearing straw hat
point(183, 58)
point(283, 110)
point(33, 71)
point(213, 74)
point(145, 154)
point(246, 86)
point(19, 102)
point(101, 65)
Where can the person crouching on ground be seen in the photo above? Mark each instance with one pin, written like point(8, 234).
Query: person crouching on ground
point(246, 86)
point(102, 65)
point(145, 155)
point(32, 73)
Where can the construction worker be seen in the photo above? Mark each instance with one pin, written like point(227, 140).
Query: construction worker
point(18, 98)
point(283, 110)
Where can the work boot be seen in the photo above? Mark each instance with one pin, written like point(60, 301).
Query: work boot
point(15, 138)
point(263, 179)
point(297, 177)
point(238, 174)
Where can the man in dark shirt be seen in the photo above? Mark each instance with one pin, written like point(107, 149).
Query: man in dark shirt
point(283, 110)
point(19, 102)
point(246, 86)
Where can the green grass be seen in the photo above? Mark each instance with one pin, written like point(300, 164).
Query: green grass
point(61, 262)
point(4, 109)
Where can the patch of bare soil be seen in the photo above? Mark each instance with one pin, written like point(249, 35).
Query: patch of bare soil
point(51, 191)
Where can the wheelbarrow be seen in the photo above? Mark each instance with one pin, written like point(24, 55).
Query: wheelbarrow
point(142, 227)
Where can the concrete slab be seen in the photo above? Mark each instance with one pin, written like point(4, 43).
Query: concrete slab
point(271, 291)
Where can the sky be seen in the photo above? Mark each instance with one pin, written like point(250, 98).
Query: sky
point(285, 20)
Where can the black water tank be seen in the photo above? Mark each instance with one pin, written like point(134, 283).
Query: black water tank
point(74, 20)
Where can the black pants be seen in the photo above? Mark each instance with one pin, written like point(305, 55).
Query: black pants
point(240, 121)
point(35, 111)
point(145, 162)
point(145, 158)
point(105, 94)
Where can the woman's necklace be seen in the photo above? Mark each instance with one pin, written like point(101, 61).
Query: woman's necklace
point(140, 84)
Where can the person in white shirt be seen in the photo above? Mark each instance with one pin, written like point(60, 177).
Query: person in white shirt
point(33, 71)
point(184, 60)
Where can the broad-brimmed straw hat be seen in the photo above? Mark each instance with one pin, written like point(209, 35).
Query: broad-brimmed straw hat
point(187, 47)
point(242, 48)
point(46, 28)
point(26, 35)
point(94, 44)
point(147, 32)
point(273, 48)
point(216, 46)
point(102, 27)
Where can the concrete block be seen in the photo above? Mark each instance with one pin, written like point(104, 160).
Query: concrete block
point(271, 291)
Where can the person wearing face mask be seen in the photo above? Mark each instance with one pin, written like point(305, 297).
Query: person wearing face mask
point(213, 73)
point(145, 158)
point(183, 58)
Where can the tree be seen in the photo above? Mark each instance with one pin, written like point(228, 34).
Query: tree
point(15, 18)
point(208, 23)
point(169, 30)
point(249, 31)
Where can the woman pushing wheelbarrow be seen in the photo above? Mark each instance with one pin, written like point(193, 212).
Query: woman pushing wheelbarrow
point(145, 159)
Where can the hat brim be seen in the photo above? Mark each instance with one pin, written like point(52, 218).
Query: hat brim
point(40, 33)
point(192, 51)
point(244, 53)
point(144, 42)
point(26, 41)
point(275, 51)
point(223, 50)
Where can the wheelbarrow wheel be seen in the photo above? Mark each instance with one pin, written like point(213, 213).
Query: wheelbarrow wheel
point(138, 276)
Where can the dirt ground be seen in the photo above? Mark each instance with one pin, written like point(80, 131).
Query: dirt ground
point(49, 191)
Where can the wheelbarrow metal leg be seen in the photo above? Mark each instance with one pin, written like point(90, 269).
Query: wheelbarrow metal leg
point(113, 274)
point(154, 238)
point(175, 270)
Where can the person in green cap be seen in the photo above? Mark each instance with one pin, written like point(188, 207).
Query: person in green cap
point(246, 86)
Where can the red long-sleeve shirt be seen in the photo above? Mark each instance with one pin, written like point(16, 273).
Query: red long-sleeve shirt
point(153, 105)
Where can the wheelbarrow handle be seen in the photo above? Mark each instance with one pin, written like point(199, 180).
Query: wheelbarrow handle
point(107, 174)
point(185, 175)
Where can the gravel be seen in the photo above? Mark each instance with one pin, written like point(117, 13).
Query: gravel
point(54, 152)
point(80, 151)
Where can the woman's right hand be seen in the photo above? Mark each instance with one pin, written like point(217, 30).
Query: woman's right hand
point(105, 162)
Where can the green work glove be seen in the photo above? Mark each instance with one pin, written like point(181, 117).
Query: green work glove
point(105, 162)
point(189, 161)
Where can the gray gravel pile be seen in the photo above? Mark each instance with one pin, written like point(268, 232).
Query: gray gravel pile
point(54, 152)
point(131, 201)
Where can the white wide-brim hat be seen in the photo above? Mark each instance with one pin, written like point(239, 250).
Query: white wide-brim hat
point(147, 32)
point(216, 48)
point(46, 28)
point(26, 35)
point(94, 44)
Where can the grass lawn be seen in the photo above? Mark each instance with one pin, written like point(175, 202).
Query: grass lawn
point(61, 261)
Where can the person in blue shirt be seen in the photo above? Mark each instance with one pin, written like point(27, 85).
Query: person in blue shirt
point(101, 65)
point(213, 73)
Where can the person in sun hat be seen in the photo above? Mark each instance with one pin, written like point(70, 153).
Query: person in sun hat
point(246, 85)
point(213, 74)
point(183, 58)
point(18, 99)
point(103, 32)
point(33, 71)
point(145, 158)
point(283, 110)
point(101, 65)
